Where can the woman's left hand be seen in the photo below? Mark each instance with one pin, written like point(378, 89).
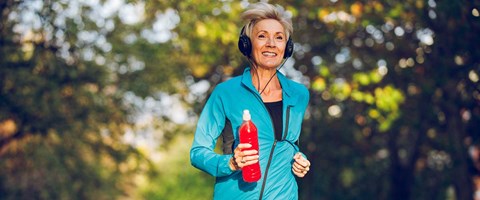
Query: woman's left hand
point(300, 166)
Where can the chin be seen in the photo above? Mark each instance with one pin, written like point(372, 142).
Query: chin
point(274, 65)
point(269, 64)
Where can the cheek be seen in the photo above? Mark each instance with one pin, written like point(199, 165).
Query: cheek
point(282, 47)
point(256, 46)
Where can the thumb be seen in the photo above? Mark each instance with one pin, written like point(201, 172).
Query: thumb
point(297, 156)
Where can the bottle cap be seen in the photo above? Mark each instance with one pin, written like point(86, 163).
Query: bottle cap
point(246, 115)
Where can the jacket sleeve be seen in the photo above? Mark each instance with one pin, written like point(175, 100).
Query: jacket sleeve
point(305, 99)
point(209, 127)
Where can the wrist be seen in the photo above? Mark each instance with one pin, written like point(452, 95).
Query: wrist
point(232, 164)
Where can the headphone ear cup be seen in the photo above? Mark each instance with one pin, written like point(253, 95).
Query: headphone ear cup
point(288, 49)
point(244, 45)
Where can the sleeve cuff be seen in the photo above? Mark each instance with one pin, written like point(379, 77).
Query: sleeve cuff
point(223, 165)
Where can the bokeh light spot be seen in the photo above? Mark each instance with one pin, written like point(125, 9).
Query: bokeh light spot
point(335, 111)
point(475, 12)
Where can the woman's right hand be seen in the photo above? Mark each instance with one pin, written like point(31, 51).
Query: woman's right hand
point(242, 158)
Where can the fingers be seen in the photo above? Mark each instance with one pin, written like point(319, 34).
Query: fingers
point(300, 171)
point(244, 157)
point(300, 166)
point(248, 160)
point(301, 160)
point(240, 152)
point(299, 174)
point(244, 146)
point(297, 156)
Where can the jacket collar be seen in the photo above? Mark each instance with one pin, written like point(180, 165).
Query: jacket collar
point(287, 89)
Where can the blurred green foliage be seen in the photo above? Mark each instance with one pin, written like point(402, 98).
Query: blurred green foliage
point(174, 178)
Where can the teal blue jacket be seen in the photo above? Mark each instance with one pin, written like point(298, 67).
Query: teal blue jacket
point(226, 105)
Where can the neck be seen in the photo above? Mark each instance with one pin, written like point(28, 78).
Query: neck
point(265, 80)
point(263, 74)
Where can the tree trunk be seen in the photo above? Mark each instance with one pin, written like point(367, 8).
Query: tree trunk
point(401, 175)
point(462, 179)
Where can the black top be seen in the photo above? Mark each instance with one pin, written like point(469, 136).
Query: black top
point(275, 109)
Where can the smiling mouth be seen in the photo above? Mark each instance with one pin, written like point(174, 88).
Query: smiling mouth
point(269, 54)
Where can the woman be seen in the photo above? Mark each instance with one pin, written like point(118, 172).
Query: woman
point(277, 106)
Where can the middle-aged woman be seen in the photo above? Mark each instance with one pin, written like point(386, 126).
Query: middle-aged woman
point(277, 106)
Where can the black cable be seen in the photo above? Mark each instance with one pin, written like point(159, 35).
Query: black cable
point(270, 77)
point(256, 72)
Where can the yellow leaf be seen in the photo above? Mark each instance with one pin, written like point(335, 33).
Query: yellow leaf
point(324, 71)
point(293, 10)
point(319, 84)
point(375, 77)
point(201, 29)
point(321, 14)
point(361, 78)
point(369, 98)
point(346, 89)
point(373, 113)
point(356, 9)
point(378, 6)
point(419, 4)
point(7, 128)
point(357, 96)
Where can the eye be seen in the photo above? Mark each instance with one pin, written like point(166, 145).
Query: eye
point(279, 37)
point(261, 36)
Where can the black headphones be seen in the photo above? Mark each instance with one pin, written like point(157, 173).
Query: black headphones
point(245, 45)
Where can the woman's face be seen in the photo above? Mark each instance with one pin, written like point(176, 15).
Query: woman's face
point(268, 43)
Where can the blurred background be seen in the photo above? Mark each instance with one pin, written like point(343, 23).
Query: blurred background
point(99, 98)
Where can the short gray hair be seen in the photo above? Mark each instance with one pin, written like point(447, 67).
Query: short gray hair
point(261, 10)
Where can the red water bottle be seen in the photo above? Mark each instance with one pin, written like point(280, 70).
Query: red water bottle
point(249, 134)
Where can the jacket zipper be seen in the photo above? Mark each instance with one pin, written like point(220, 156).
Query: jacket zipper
point(269, 157)
point(266, 169)
point(272, 150)
point(273, 146)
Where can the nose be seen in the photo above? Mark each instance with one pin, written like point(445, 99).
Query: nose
point(271, 42)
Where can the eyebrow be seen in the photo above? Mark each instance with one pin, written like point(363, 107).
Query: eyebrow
point(260, 31)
